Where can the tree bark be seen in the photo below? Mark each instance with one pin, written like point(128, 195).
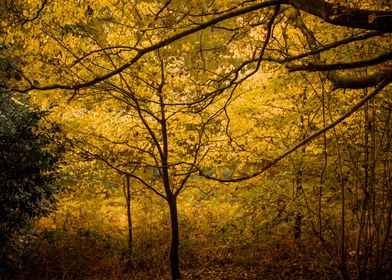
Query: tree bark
point(170, 196)
point(174, 256)
point(343, 16)
point(129, 214)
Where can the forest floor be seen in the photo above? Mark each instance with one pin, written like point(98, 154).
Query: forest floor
point(87, 255)
point(88, 241)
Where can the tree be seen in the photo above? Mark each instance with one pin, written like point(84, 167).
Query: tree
point(141, 130)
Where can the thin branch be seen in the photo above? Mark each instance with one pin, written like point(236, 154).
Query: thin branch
point(326, 47)
point(44, 2)
point(312, 67)
point(308, 139)
point(102, 50)
point(162, 9)
point(118, 169)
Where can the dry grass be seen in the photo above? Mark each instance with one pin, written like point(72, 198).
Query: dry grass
point(83, 255)
point(88, 241)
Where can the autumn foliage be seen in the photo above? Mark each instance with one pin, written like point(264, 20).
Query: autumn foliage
point(209, 139)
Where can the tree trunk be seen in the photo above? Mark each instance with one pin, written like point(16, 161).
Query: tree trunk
point(298, 214)
point(129, 215)
point(170, 196)
point(174, 258)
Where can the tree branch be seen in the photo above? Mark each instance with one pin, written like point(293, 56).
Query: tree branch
point(343, 16)
point(44, 2)
point(308, 139)
point(353, 82)
point(331, 13)
point(312, 67)
point(356, 82)
point(152, 48)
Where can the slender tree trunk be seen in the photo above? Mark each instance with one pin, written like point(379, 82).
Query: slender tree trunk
point(361, 242)
point(127, 195)
point(129, 214)
point(298, 215)
point(174, 257)
point(170, 196)
point(298, 191)
point(343, 249)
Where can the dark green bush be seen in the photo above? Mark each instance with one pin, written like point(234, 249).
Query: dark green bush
point(29, 158)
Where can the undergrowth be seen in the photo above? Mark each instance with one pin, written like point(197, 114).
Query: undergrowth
point(84, 240)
